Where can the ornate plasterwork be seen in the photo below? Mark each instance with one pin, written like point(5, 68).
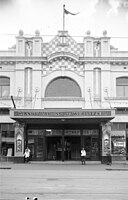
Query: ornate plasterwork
point(63, 42)
point(63, 64)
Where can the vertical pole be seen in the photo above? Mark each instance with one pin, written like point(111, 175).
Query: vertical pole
point(0, 140)
point(63, 18)
point(44, 145)
point(62, 145)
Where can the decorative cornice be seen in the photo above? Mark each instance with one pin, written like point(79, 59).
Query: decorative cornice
point(104, 60)
point(63, 55)
point(117, 98)
point(63, 99)
point(9, 98)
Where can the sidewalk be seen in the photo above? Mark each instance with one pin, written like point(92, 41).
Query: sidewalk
point(66, 164)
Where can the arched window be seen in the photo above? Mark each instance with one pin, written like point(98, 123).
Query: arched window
point(63, 87)
point(122, 87)
point(4, 86)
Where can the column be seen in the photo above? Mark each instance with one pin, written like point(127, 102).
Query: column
point(63, 145)
point(19, 142)
point(44, 145)
point(106, 140)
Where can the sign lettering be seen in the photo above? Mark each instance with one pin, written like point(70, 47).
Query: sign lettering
point(34, 114)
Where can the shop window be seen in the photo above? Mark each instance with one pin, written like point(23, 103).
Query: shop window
point(7, 149)
point(63, 87)
point(122, 87)
point(4, 133)
point(10, 134)
point(4, 111)
point(118, 143)
point(7, 144)
point(4, 86)
point(118, 126)
point(4, 127)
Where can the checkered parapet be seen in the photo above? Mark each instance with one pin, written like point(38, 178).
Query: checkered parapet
point(63, 64)
point(63, 42)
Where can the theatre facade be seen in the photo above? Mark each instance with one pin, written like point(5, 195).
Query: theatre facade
point(60, 96)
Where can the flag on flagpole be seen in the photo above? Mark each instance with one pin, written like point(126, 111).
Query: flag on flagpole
point(67, 12)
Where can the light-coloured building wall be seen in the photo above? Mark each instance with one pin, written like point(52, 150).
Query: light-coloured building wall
point(79, 62)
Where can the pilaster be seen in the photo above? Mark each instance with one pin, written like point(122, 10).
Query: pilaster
point(106, 138)
point(19, 140)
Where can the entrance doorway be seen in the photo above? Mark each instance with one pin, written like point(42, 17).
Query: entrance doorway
point(60, 144)
point(72, 147)
point(54, 148)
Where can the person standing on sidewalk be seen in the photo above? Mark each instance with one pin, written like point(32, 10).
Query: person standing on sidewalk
point(27, 155)
point(83, 155)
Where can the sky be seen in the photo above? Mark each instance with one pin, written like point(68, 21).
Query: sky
point(47, 17)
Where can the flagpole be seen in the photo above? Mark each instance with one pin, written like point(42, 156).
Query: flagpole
point(63, 18)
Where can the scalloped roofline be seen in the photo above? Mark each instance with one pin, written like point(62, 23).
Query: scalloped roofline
point(63, 54)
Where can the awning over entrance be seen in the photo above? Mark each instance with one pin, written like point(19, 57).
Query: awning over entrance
point(120, 119)
point(5, 119)
point(62, 115)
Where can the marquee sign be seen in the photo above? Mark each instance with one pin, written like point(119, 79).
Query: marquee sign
point(18, 113)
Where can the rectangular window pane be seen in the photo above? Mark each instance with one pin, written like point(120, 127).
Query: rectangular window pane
point(4, 81)
point(5, 91)
point(0, 91)
point(4, 133)
point(126, 91)
point(10, 134)
point(122, 81)
point(120, 91)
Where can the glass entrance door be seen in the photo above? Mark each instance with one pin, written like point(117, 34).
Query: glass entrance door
point(72, 144)
point(54, 148)
point(72, 147)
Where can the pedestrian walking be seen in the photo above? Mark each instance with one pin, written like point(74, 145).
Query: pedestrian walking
point(27, 155)
point(83, 155)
